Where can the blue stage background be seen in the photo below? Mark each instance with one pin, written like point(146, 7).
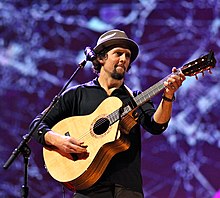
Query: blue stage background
point(41, 44)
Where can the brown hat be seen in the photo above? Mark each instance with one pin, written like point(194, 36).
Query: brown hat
point(116, 38)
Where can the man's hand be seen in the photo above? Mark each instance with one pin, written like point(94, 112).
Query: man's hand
point(173, 83)
point(65, 144)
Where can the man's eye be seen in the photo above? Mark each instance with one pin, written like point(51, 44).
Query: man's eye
point(119, 53)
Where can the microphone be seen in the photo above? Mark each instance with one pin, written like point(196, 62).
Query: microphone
point(90, 54)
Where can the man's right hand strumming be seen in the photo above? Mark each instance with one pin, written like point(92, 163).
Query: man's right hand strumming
point(64, 143)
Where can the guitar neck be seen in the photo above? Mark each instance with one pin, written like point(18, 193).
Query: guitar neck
point(206, 62)
point(150, 92)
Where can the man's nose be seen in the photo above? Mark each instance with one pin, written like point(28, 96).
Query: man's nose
point(123, 57)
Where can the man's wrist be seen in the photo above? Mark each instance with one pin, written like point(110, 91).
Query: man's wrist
point(168, 99)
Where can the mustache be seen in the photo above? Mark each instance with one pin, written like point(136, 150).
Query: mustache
point(121, 66)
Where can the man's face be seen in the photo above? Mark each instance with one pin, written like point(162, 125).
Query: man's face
point(116, 62)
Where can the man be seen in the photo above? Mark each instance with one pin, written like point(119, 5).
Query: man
point(122, 177)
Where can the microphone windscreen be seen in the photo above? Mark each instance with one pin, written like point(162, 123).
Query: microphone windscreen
point(90, 54)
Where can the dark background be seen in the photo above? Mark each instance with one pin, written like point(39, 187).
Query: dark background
point(41, 43)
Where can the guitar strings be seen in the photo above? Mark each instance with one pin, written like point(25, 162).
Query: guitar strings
point(100, 122)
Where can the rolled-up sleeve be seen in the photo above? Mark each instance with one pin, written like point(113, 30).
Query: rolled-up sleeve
point(146, 120)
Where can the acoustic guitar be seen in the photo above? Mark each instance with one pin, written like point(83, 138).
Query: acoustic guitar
point(104, 131)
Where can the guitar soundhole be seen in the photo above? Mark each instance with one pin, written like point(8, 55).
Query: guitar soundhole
point(101, 126)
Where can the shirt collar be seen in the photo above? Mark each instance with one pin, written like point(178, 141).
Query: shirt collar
point(95, 83)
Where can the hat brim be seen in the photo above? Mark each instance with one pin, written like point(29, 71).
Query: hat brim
point(119, 42)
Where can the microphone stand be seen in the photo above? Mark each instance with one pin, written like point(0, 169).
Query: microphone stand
point(23, 146)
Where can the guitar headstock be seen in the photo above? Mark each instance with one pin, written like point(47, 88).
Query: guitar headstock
point(206, 62)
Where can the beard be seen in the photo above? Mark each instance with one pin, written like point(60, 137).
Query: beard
point(117, 76)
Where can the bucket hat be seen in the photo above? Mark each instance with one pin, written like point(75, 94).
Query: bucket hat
point(116, 38)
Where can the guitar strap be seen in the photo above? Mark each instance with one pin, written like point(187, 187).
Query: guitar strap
point(129, 91)
point(131, 94)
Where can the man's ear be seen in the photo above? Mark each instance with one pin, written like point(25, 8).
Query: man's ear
point(101, 60)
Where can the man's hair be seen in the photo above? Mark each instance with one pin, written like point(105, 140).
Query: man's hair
point(96, 64)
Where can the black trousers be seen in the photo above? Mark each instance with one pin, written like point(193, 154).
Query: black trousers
point(108, 191)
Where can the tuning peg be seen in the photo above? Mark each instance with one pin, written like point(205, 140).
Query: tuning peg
point(203, 74)
point(210, 71)
point(196, 77)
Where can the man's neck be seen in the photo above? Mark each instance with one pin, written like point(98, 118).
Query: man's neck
point(109, 84)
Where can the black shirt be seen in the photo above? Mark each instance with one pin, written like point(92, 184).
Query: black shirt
point(125, 167)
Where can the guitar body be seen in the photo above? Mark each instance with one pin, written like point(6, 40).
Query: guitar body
point(102, 146)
